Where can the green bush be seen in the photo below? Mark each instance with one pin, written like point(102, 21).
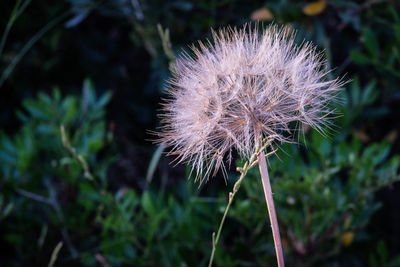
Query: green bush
point(71, 160)
point(42, 176)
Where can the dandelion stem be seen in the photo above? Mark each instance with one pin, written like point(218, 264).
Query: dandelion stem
point(271, 208)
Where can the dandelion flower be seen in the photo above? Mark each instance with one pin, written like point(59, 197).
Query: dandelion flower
point(241, 86)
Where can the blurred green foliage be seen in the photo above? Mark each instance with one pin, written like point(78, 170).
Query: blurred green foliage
point(324, 197)
point(85, 185)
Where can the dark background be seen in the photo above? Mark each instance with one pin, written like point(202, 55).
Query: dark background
point(120, 217)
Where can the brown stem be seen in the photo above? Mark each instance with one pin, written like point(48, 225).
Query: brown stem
point(271, 208)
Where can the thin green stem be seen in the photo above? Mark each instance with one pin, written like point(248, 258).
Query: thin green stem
point(260, 147)
point(232, 194)
point(52, 201)
point(6, 73)
point(167, 47)
point(75, 154)
point(17, 11)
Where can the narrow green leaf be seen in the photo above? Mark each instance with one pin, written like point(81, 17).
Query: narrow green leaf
point(154, 162)
point(369, 93)
point(147, 204)
point(371, 43)
point(360, 58)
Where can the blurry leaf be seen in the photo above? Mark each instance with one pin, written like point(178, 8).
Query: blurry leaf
point(378, 153)
point(6, 143)
point(371, 43)
point(394, 262)
point(154, 162)
point(7, 158)
point(105, 98)
point(394, 13)
point(147, 204)
point(56, 94)
point(43, 234)
point(348, 17)
point(373, 262)
point(130, 251)
point(37, 109)
point(44, 98)
point(95, 145)
point(156, 219)
point(369, 93)
point(262, 14)
point(69, 105)
point(182, 5)
point(381, 249)
point(89, 94)
point(359, 58)
point(45, 129)
point(321, 144)
point(314, 8)
point(7, 209)
point(396, 53)
point(77, 19)
point(397, 30)
point(21, 116)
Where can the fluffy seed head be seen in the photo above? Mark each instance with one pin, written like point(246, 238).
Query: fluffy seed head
point(241, 86)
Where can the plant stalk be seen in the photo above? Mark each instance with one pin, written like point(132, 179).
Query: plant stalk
point(243, 171)
point(232, 194)
point(271, 208)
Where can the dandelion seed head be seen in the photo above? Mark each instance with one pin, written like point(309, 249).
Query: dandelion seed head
point(241, 86)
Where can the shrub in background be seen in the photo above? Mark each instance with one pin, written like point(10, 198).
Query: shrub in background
point(109, 222)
